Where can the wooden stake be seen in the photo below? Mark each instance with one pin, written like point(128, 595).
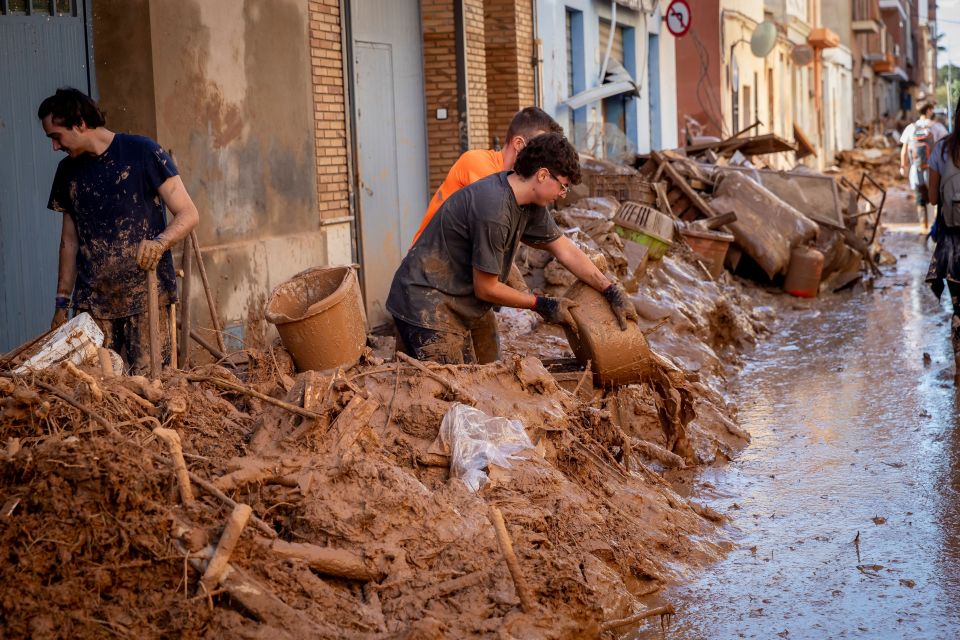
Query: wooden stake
point(186, 265)
point(153, 316)
point(342, 563)
point(228, 542)
point(206, 290)
point(527, 602)
point(172, 438)
point(173, 335)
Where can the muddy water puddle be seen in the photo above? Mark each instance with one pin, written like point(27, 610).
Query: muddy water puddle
point(844, 508)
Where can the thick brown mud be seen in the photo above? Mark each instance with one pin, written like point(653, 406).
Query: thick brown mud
point(845, 506)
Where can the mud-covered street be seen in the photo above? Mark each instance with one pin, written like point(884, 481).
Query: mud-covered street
point(844, 508)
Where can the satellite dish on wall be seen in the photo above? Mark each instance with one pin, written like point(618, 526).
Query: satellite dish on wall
point(764, 38)
point(801, 55)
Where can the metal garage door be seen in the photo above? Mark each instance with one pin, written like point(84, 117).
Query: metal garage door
point(43, 45)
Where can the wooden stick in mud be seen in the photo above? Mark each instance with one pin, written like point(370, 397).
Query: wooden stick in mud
point(667, 610)
point(172, 324)
point(86, 378)
point(341, 563)
point(224, 498)
point(212, 350)
point(172, 439)
point(226, 384)
point(106, 362)
point(186, 265)
point(452, 386)
point(506, 547)
point(153, 317)
point(206, 289)
point(228, 542)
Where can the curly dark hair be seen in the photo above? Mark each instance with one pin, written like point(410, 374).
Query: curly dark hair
point(552, 152)
point(69, 107)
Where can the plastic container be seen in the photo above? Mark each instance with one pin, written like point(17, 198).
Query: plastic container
point(617, 357)
point(320, 318)
point(76, 341)
point(645, 225)
point(710, 246)
point(804, 272)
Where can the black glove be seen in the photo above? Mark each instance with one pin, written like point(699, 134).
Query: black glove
point(621, 305)
point(556, 310)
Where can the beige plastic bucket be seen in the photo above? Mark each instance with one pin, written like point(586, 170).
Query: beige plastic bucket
point(320, 318)
point(616, 357)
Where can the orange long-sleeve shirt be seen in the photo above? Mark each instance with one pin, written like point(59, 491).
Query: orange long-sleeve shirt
point(470, 166)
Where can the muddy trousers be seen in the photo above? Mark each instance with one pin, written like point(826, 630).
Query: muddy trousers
point(130, 337)
point(480, 346)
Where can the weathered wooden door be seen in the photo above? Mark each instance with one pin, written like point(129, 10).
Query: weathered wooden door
point(43, 46)
point(390, 116)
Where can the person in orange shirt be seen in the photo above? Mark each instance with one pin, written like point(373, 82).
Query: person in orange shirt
point(474, 165)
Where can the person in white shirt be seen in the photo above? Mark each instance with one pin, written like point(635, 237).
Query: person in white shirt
point(917, 142)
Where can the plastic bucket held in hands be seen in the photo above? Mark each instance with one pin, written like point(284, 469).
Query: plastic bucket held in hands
point(320, 318)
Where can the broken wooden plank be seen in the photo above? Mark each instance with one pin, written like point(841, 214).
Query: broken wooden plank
point(340, 563)
point(681, 183)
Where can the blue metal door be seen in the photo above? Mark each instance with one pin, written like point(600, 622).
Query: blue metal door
point(43, 46)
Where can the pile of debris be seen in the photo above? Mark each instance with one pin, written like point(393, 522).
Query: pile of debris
point(394, 498)
point(801, 230)
point(243, 498)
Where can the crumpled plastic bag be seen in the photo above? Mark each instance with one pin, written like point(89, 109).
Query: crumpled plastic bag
point(474, 440)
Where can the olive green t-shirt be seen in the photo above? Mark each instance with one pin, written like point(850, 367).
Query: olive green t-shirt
point(478, 227)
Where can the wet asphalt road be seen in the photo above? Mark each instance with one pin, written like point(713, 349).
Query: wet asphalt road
point(854, 434)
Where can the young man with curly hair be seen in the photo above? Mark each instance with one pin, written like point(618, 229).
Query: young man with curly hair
point(114, 191)
point(457, 270)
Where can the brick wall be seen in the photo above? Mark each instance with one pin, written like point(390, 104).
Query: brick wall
point(440, 86)
point(329, 132)
point(477, 120)
point(510, 72)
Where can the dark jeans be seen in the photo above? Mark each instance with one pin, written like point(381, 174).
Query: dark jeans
point(130, 337)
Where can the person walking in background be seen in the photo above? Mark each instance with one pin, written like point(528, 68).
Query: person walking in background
point(113, 190)
point(917, 140)
point(944, 188)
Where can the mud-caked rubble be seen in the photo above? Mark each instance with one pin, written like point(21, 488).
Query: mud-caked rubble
point(322, 503)
point(357, 529)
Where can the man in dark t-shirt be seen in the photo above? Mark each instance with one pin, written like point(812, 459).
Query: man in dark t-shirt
point(113, 190)
point(457, 270)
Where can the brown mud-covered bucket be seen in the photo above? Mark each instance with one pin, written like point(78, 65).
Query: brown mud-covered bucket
point(617, 357)
point(804, 272)
point(320, 318)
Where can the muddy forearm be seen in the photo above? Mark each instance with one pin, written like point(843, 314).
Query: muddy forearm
point(181, 207)
point(488, 288)
point(578, 263)
point(69, 246)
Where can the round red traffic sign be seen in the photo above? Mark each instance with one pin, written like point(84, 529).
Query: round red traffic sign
point(678, 17)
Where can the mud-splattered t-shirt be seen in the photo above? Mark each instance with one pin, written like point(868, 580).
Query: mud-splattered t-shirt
point(114, 201)
point(479, 226)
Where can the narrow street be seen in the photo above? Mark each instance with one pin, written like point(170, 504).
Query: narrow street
point(844, 508)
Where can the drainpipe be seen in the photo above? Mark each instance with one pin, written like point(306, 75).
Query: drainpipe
point(537, 57)
point(350, 124)
point(460, 38)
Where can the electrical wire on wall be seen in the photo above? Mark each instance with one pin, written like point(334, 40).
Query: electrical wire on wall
point(712, 110)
